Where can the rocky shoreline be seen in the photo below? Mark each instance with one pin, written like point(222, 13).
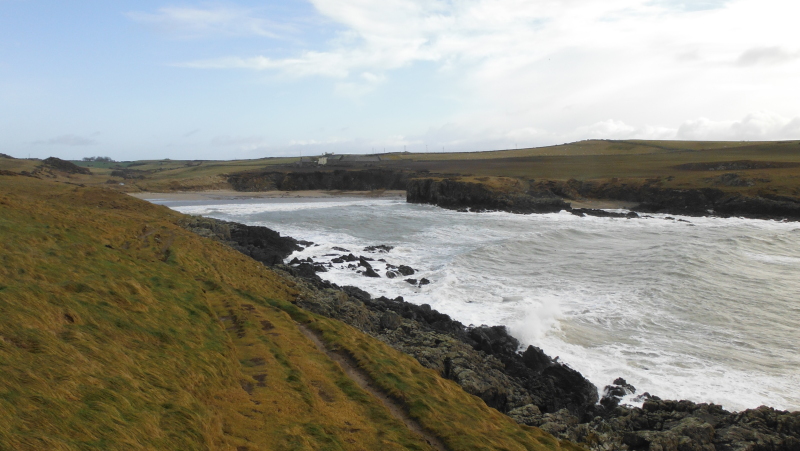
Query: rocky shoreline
point(544, 196)
point(554, 196)
point(527, 385)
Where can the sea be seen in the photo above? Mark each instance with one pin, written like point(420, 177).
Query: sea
point(705, 309)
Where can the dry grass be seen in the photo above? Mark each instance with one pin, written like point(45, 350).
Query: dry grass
point(120, 330)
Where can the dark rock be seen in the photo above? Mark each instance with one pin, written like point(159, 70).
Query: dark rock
point(357, 293)
point(390, 320)
point(457, 195)
point(339, 179)
point(535, 359)
point(262, 244)
point(613, 394)
point(340, 249)
point(493, 340)
point(306, 270)
point(411, 281)
point(337, 260)
point(424, 281)
point(350, 258)
point(392, 274)
point(598, 213)
point(635, 441)
point(379, 248)
point(405, 270)
point(371, 273)
point(363, 262)
point(65, 166)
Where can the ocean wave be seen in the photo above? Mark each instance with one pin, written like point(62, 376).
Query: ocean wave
point(682, 307)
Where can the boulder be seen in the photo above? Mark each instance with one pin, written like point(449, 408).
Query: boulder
point(383, 248)
point(405, 270)
point(371, 273)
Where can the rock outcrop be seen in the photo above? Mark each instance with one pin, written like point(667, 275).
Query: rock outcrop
point(455, 195)
point(260, 243)
point(340, 179)
point(653, 198)
point(64, 166)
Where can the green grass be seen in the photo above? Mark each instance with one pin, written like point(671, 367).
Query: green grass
point(121, 330)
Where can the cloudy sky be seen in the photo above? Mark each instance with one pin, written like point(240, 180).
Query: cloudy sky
point(246, 79)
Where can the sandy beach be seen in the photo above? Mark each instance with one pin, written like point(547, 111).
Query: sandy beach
point(230, 195)
point(323, 194)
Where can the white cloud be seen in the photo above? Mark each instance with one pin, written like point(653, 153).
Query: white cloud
point(766, 55)
point(555, 70)
point(191, 22)
point(310, 63)
point(753, 127)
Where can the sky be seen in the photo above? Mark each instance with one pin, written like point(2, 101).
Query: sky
point(248, 79)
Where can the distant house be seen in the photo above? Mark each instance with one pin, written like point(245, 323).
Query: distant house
point(347, 160)
point(329, 159)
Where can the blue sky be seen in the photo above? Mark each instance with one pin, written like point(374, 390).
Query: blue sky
point(245, 79)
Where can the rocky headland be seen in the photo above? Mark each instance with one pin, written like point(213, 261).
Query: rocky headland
point(526, 384)
point(477, 194)
point(340, 179)
point(553, 196)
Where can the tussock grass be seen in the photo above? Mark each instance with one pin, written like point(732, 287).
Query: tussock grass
point(120, 330)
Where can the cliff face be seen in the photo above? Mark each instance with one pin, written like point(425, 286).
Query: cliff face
point(364, 180)
point(545, 196)
point(693, 202)
point(456, 194)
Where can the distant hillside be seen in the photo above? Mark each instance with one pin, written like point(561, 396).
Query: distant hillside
point(744, 167)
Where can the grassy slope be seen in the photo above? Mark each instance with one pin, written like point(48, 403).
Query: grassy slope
point(172, 175)
point(120, 330)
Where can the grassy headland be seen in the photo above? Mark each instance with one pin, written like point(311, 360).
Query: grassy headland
point(121, 330)
point(757, 167)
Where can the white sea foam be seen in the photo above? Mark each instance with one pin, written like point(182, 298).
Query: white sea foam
point(681, 307)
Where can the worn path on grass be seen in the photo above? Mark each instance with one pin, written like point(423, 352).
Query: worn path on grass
point(356, 374)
